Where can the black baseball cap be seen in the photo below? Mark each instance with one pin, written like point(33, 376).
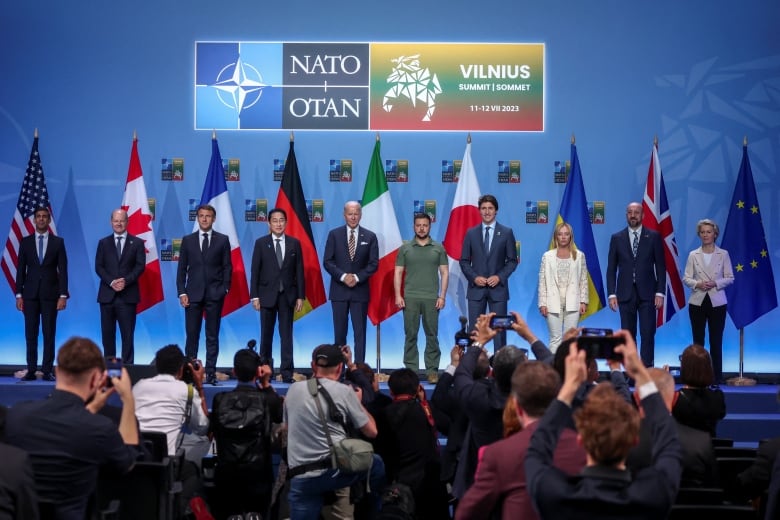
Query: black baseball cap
point(327, 355)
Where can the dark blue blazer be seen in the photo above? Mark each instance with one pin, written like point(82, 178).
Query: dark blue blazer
point(266, 272)
point(207, 277)
point(47, 280)
point(649, 264)
point(336, 261)
point(501, 260)
point(108, 267)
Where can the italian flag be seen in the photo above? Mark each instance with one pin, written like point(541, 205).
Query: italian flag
point(379, 217)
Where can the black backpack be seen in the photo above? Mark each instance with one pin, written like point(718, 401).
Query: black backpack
point(242, 428)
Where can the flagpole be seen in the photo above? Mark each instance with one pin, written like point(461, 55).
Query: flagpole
point(378, 347)
point(740, 380)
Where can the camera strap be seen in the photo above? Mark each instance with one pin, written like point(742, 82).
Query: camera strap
point(185, 419)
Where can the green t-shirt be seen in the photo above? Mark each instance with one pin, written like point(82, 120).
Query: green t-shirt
point(421, 264)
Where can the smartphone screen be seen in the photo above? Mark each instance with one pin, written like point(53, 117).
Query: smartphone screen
point(114, 368)
point(502, 322)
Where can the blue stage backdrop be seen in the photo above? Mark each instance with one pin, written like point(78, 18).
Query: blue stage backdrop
point(698, 75)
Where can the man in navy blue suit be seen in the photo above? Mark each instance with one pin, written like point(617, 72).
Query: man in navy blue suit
point(41, 290)
point(488, 258)
point(202, 282)
point(636, 278)
point(351, 257)
point(277, 287)
point(119, 261)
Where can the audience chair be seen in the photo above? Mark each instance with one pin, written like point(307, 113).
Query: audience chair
point(700, 496)
point(731, 451)
point(712, 512)
point(728, 469)
point(722, 441)
point(156, 444)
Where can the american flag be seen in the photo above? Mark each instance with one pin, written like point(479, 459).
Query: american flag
point(656, 216)
point(32, 195)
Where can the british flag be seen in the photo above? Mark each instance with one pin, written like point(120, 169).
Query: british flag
point(656, 216)
point(32, 195)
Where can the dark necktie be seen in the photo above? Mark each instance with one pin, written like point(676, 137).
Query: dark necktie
point(635, 243)
point(205, 245)
point(40, 249)
point(279, 260)
point(119, 247)
point(486, 243)
point(279, 257)
point(351, 245)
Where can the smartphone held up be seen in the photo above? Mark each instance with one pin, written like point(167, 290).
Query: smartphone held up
point(600, 343)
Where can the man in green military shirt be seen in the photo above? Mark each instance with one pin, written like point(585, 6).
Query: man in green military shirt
point(423, 294)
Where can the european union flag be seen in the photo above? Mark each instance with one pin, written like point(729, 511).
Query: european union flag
point(574, 210)
point(753, 292)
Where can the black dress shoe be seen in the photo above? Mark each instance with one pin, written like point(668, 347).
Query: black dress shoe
point(212, 380)
point(49, 377)
point(29, 376)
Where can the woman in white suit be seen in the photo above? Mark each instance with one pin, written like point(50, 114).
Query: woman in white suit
point(563, 285)
point(708, 272)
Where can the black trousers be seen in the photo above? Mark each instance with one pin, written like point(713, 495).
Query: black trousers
point(714, 319)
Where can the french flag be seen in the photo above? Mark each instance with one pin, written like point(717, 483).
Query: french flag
point(215, 194)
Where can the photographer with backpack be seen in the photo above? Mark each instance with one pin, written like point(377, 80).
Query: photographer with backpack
point(241, 422)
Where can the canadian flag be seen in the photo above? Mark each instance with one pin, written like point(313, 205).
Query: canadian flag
point(139, 223)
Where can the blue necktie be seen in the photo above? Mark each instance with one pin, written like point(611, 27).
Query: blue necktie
point(635, 243)
point(40, 249)
point(486, 243)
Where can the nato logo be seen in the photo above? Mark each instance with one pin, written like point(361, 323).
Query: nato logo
point(238, 85)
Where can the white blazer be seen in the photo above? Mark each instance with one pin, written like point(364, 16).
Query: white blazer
point(576, 290)
point(718, 271)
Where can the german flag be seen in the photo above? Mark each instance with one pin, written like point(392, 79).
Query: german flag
point(291, 200)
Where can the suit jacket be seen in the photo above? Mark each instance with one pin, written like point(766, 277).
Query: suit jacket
point(266, 272)
point(576, 290)
point(130, 266)
point(204, 277)
point(649, 264)
point(755, 480)
point(501, 260)
point(500, 484)
point(719, 271)
point(698, 458)
point(337, 263)
point(47, 280)
point(603, 492)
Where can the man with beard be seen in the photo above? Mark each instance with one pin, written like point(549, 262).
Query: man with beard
point(427, 273)
point(636, 278)
point(65, 437)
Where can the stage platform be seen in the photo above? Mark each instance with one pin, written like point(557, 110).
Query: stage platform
point(753, 412)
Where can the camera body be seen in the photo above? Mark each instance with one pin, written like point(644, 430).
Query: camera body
point(599, 343)
point(187, 375)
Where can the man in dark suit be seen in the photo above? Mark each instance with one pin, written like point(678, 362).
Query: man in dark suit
point(119, 261)
point(351, 257)
point(500, 488)
point(277, 287)
point(488, 257)
point(202, 281)
point(41, 290)
point(636, 278)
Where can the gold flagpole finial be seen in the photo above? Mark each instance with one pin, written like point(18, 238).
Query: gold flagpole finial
point(572, 138)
